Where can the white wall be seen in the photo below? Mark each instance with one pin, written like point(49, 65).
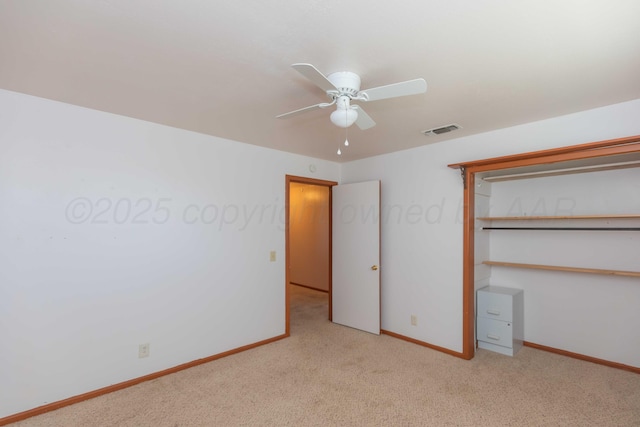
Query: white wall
point(116, 232)
point(421, 265)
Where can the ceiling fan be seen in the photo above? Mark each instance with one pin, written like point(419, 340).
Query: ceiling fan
point(343, 87)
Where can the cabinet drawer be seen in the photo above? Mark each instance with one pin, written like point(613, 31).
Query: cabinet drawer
point(495, 306)
point(495, 332)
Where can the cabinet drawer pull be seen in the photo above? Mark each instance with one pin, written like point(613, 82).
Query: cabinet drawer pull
point(494, 312)
point(493, 337)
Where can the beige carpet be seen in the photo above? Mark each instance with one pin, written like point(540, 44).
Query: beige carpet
point(330, 375)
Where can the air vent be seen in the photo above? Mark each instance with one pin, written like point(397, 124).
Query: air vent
point(441, 130)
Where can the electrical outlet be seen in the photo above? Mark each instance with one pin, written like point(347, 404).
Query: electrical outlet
point(143, 350)
point(414, 320)
point(272, 256)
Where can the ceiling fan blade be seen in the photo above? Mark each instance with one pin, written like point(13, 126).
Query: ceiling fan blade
point(315, 76)
point(364, 121)
point(410, 87)
point(303, 110)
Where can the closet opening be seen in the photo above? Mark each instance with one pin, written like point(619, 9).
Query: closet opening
point(597, 157)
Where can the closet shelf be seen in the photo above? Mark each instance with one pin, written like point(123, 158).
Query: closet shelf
point(542, 218)
point(561, 268)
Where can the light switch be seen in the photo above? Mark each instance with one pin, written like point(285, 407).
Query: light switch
point(272, 256)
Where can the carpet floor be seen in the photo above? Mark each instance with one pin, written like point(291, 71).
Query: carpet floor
point(331, 375)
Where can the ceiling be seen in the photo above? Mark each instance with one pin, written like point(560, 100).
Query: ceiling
point(224, 68)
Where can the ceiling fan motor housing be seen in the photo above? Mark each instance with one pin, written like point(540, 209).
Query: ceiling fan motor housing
point(348, 83)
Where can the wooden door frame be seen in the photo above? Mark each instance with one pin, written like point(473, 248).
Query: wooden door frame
point(310, 181)
point(469, 169)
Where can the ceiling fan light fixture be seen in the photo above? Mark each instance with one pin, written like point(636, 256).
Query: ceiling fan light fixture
point(344, 117)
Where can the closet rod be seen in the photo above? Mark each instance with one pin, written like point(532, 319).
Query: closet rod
point(566, 228)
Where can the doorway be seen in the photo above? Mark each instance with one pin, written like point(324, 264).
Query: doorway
point(307, 237)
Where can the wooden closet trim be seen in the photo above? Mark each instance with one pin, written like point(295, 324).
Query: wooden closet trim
point(468, 169)
point(533, 157)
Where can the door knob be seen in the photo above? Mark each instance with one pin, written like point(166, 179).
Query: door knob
point(374, 267)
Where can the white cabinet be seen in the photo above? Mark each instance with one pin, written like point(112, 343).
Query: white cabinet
point(500, 319)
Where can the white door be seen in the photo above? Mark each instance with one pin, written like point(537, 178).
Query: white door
point(356, 256)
